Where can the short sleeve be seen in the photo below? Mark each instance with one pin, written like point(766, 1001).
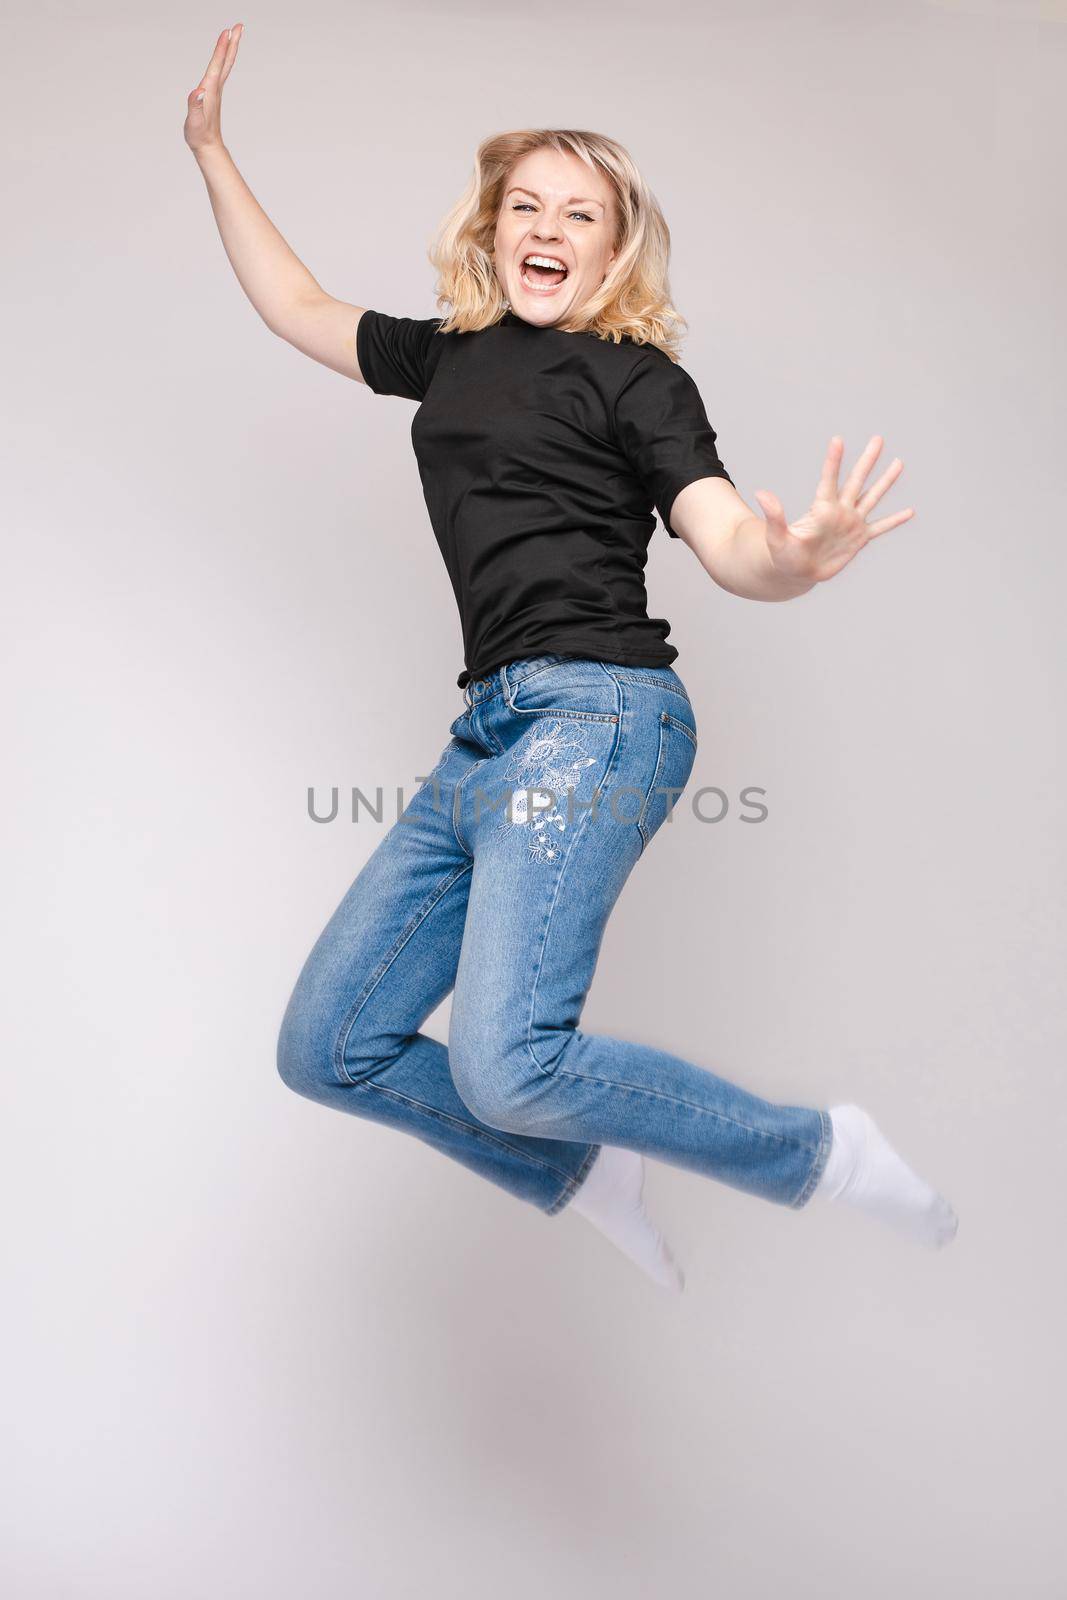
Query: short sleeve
point(393, 352)
point(663, 430)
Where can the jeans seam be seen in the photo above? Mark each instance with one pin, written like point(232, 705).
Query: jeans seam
point(573, 1184)
point(684, 727)
point(466, 1127)
point(467, 851)
point(677, 1100)
point(623, 675)
point(383, 967)
point(579, 835)
point(643, 813)
point(551, 711)
point(819, 1160)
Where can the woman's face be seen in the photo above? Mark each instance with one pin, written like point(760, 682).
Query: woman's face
point(556, 209)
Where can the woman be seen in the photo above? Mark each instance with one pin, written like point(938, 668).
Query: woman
point(553, 416)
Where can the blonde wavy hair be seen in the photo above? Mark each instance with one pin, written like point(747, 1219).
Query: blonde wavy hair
point(635, 297)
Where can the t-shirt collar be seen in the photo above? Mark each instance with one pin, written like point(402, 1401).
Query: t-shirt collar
point(511, 319)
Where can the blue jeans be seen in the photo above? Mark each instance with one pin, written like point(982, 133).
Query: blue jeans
point(496, 883)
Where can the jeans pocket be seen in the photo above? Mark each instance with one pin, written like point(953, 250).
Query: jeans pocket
point(674, 763)
point(570, 688)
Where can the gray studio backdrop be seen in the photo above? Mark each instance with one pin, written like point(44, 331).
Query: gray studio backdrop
point(257, 1348)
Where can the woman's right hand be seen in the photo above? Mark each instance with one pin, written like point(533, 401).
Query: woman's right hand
point(203, 128)
point(289, 299)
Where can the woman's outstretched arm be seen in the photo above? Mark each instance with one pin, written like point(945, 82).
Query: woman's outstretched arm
point(290, 301)
point(768, 558)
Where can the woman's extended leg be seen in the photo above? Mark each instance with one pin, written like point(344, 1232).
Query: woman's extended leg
point(349, 1037)
point(545, 879)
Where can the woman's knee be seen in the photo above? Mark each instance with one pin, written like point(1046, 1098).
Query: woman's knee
point(304, 1049)
point(318, 1043)
point(498, 1077)
point(328, 1038)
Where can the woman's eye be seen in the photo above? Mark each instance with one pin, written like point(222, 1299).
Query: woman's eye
point(524, 205)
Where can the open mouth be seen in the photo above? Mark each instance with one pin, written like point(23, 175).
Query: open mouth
point(541, 274)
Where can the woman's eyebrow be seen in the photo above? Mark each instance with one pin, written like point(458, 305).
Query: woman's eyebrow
point(575, 199)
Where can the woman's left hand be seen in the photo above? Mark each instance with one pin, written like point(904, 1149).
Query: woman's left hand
point(835, 528)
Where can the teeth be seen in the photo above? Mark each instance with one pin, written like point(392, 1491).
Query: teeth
point(544, 261)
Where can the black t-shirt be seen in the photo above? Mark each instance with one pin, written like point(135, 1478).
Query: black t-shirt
point(542, 454)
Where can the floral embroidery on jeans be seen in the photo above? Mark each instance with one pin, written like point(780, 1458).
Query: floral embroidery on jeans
point(547, 765)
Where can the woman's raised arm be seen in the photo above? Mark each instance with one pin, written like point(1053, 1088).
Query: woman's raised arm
point(283, 291)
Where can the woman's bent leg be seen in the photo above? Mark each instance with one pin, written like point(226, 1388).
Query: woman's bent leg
point(388, 955)
point(543, 885)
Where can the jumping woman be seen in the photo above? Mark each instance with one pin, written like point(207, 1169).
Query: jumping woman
point(553, 416)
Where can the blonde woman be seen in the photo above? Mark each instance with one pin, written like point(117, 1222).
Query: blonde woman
point(553, 417)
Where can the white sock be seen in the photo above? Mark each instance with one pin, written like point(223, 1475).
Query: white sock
point(611, 1197)
point(864, 1170)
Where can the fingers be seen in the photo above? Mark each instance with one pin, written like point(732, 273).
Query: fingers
point(218, 68)
point(770, 505)
point(854, 482)
point(849, 494)
point(214, 65)
point(869, 500)
point(826, 488)
point(212, 78)
point(231, 52)
point(884, 524)
point(774, 515)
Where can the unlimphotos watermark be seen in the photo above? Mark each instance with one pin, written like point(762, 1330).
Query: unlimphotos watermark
point(622, 803)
